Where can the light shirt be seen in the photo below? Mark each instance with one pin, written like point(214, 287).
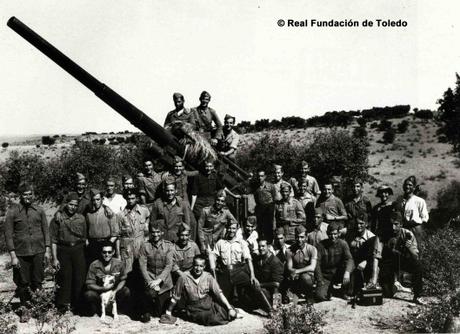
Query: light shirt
point(117, 203)
point(415, 209)
point(232, 252)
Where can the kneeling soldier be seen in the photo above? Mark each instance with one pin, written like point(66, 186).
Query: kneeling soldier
point(204, 301)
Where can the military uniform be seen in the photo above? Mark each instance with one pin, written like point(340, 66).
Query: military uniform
point(211, 226)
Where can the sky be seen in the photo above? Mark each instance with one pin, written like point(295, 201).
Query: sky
point(253, 68)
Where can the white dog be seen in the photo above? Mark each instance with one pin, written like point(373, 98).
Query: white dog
point(108, 280)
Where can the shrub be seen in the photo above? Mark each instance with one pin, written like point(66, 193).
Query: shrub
point(360, 132)
point(389, 136)
point(5, 145)
point(295, 319)
point(47, 140)
point(384, 125)
point(8, 320)
point(402, 127)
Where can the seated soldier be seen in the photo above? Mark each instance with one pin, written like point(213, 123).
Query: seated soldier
point(335, 263)
point(289, 213)
point(400, 253)
point(184, 251)
point(366, 252)
point(106, 265)
point(249, 234)
point(155, 263)
point(269, 272)
point(280, 247)
point(231, 261)
point(319, 233)
point(205, 304)
point(301, 263)
point(212, 222)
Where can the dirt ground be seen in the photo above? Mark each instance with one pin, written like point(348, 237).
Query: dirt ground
point(339, 316)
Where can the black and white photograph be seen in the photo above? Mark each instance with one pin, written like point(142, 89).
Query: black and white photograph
point(229, 166)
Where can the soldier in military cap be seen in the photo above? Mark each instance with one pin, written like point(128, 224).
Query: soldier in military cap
point(278, 174)
point(156, 262)
point(227, 143)
point(312, 187)
point(206, 116)
point(68, 238)
point(28, 242)
point(180, 114)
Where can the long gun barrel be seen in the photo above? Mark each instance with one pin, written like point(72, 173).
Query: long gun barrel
point(123, 107)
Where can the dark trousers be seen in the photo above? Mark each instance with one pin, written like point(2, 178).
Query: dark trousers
point(265, 218)
point(405, 263)
point(301, 285)
point(29, 277)
point(155, 303)
point(207, 312)
point(71, 276)
point(238, 278)
point(324, 287)
point(93, 300)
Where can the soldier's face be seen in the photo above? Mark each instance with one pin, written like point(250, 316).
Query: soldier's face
point(220, 202)
point(110, 188)
point(357, 189)
point(178, 102)
point(131, 200)
point(72, 206)
point(408, 187)
point(278, 174)
point(170, 192)
point(248, 228)
point(148, 167)
point(263, 247)
point(208, 168)
point(129, 184)
point(81, 187)
point(305, 170)
point(318, 219)
point(360, 226)
point(204, 100)
point(228, 123)
point(396, 226)
point(155, 235)
point(285, 193)
point(97, 201)
point(107, 253)
point(231, 230)
point(198, 266)
point(27, 197)
point(184, 237)
point(279, 240)
point(384, 195)
point(261, 176)
point(178, 168)
point(333, 235)
point(303, 188)
point(300, 238)
point(328, 191)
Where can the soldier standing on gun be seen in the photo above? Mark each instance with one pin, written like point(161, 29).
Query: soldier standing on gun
point(180, 114)
point(205, 117)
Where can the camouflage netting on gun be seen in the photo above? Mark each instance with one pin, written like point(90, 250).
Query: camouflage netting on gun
point(197, 148)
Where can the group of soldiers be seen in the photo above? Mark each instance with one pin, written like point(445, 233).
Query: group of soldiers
point(174, 247)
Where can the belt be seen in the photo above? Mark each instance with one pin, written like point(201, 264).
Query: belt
point(229, 267)
point(71, 244)
point(98, 239)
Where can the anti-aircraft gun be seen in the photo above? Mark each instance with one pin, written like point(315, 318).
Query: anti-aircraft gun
point(167, 145)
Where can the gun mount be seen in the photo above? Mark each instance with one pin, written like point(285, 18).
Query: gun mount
point(168, 144)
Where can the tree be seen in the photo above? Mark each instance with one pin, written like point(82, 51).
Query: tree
point(449, 114)
point(360, 132)
point(5, 145)
point(402, 127)
point(47, 140)
point(389, 136)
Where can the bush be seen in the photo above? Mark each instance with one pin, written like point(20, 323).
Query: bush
point(8, 320)
point(331, 152)
point(5, 145)
point(402, 127)
point(384, 125)
point(389, 136)
point(448, 206)
point(295, 319)
point(47, 140)
point(360, 132)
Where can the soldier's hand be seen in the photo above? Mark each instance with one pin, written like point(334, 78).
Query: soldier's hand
point(56, 264)
point(47, 258)
point(232, 313)
point(15, 263)
point(346, 278)
point(213, 141)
